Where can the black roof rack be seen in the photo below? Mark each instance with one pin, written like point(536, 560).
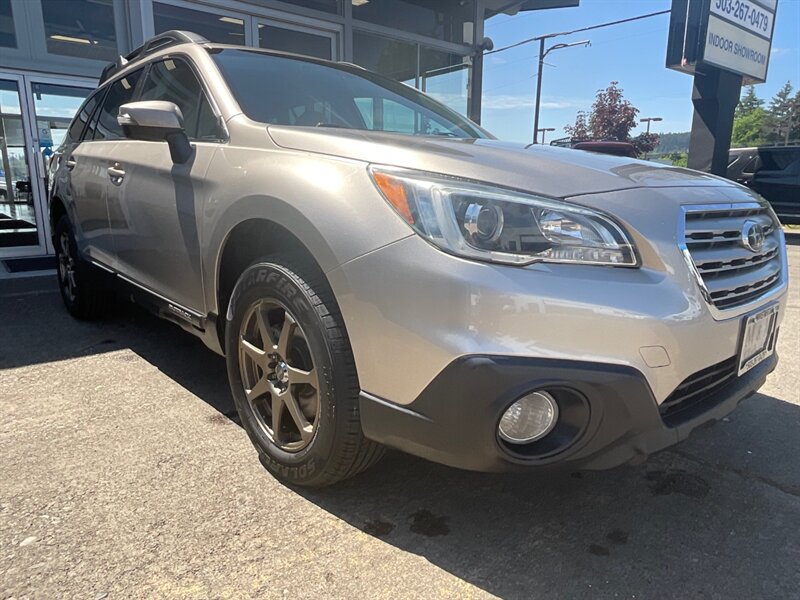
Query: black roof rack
point(163, 40)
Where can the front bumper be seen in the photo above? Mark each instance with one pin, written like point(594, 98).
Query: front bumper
point(454, 420)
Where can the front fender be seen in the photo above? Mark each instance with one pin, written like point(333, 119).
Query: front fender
point(329, 204)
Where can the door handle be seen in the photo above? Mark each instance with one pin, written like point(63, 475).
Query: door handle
point(116, 174)
point(71, 163)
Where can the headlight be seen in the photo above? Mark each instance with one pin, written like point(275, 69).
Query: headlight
point(488, 223)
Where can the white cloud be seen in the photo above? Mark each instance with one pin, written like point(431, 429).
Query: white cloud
point(780, 51)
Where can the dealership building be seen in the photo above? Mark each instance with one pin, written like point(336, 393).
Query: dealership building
point(52, 52)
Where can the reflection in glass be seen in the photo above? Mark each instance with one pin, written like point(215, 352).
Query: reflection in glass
point(448, 20)
point(215, 27)
point(80, 28)
point(291, 40)
point(329, 6)
point(445, 76)
point(391, 58)
point(17, 215)
point(55, 106)
point(8, 36)
point(315, 94)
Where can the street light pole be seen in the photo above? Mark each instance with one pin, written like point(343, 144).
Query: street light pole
point(542, 54)
point(648, 120)
point(544, 130)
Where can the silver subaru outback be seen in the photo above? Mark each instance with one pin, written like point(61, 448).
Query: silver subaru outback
point(379, 271)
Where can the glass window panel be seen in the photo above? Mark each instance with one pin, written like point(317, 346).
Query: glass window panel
point(445, 76)
point(55, 107)
point(329, 6)
point(298, 91)
point(366, 106)
point(8, 36)
point(391, 58)
point(291, 40)
point(82, 118)
point(17, 213)
point(174, 81)
point(448, 20)
point(121, 91)
point(80, 28)
point(215, 27)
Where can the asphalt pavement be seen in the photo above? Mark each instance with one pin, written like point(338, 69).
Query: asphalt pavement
point(124, 474)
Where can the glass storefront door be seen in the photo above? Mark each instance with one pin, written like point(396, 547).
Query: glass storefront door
point(35, 113)
point(17, 210)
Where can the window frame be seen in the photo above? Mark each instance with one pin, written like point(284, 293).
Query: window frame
point(107, 85)
point(99, 91)
point(222, 129)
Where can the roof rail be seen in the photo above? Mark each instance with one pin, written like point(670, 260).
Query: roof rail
point(159, 42)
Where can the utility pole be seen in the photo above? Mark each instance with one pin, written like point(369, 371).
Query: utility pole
point(542, 54)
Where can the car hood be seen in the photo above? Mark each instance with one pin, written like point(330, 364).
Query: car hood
point(547, 170)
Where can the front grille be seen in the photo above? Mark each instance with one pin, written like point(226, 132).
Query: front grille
point(732, 274)
point(695, 390)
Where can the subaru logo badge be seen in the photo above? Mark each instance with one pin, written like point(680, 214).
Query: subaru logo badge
point(753, 236)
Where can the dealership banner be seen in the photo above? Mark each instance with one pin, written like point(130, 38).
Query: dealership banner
point(735, 35)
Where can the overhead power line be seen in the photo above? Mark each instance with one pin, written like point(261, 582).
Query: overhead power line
point(589, 28)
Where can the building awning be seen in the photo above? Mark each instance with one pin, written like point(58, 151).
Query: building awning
point(494, 7)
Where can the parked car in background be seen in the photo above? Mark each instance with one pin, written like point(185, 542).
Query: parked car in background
point(380, 271)
point(612, 147)
point(773, 172)
point(608, 147)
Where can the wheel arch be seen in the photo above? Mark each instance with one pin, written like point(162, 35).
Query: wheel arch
point(255, 237)
point(57, 210)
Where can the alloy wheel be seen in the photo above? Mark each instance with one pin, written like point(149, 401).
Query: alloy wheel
point(66, 267)
point(279, 376)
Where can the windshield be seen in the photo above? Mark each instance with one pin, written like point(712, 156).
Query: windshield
point(296, 91)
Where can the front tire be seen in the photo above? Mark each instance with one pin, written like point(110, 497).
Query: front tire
point(83, 291)
point(293, 376)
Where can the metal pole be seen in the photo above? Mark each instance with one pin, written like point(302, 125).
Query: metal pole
point(538, 91)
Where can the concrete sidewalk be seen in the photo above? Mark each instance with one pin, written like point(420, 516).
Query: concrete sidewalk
point(123, 474)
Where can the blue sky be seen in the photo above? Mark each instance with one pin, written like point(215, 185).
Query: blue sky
point(632, 54)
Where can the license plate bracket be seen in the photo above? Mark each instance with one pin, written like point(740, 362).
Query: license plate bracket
point(759, 332)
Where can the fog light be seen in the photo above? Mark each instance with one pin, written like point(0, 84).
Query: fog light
point(530, 418)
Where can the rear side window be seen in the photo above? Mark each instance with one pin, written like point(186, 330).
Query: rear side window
point(173, 80)
point(121, 91)
point(84, 114)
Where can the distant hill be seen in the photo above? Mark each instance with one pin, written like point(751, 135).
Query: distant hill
point(672, 142)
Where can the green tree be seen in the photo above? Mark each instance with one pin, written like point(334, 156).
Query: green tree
point(794, 118)
point(778, 123)
point(749, 102)
point(679, 159)
point(580, 129)
point(748, 129)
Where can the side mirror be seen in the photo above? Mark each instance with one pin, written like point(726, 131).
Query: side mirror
point(156, 121)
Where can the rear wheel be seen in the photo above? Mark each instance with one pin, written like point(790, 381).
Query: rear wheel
point(293, 376)
point(83, 290)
